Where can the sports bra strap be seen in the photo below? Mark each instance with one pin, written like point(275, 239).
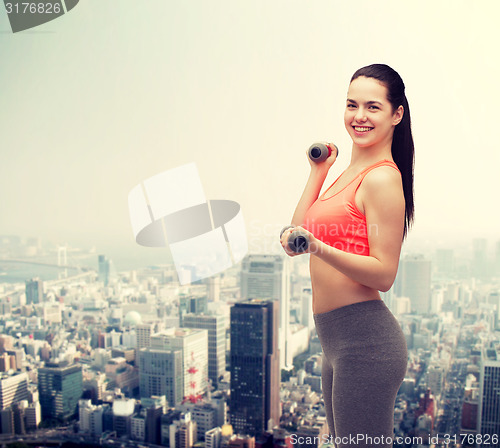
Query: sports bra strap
point(363, 173)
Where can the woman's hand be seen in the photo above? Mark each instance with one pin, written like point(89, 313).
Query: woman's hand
point(312, 241)
point(328, 162)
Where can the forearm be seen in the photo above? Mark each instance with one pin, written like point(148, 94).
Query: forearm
point(313, 186)
point(366, 270)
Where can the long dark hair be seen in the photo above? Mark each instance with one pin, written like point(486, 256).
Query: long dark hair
point(403, 150)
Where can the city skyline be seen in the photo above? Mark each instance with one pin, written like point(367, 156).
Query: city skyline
point(119, 337)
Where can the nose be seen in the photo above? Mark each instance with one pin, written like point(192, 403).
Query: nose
point(360, 116)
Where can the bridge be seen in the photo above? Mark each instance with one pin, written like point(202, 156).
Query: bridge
point(41, 263)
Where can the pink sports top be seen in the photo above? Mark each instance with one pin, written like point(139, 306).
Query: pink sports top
point(337, 221)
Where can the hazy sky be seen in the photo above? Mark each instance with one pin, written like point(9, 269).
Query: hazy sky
point(115, 92)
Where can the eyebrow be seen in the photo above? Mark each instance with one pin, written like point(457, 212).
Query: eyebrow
point(368, 102)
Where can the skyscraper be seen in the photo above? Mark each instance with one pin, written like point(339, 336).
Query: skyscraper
point(489, 398)
point(160, 373)
point(480, 266)
point(192, 304)
point(13, 388)
point(496, 265)
point(193, 344)
point(34, 291)
point(216, 327)
point(144, 332)
point(60, 386)
point(414, 281)
point(255, 373)
point(268, 277)
point(104, 269)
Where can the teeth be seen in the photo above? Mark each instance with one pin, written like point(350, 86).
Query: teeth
point(359, 129)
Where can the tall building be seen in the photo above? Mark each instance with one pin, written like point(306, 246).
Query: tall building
point(185, 436)
point(205, 416)
point(192, 304)
point(414, 281)
point(123, 410)
point(60, 386)
point(268, 277)
point(435, 378)
point(13, 388)
point(213, 288)
point(6, 421)
point(489, 398)
point(160, 373)
point(216, 327)
point(255, 373)
point(153, 424)
point(496, 265)
point(104, 269)
point(306, 314)
point(51, 313)
point(138, 426)
point(480, 266)
point(143, 334)
point(33, 414)
point(34, 291)
point(4, 362)
point(193, 344)
point(6, 342)
point(90, 417)
point(213, 437)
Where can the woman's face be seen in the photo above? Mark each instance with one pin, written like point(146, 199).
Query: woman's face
point(368, 116)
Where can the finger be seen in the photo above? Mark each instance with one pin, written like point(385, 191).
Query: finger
point(286, 234)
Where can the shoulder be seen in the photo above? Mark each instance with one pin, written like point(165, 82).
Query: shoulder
point(382, 178)
point(382, 188)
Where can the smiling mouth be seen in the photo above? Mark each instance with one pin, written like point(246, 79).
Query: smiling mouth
point(362, 128)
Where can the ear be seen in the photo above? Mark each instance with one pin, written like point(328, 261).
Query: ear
point(398, 115)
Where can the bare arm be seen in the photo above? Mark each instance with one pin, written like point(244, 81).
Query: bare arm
point(384, 207)
point(313, 186)
point(317, 177)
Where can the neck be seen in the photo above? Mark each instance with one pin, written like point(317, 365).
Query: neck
point(368, 155)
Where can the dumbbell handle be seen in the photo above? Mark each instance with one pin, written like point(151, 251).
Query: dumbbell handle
point(298, 240)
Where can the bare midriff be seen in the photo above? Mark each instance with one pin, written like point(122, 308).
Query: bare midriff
point(331, 289)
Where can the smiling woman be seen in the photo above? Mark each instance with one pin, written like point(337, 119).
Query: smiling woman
point(355, 231)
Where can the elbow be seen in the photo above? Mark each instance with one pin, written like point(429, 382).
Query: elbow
point(385, 287)
point(385, 282)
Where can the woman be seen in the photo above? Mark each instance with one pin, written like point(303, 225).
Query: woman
point(355, 230)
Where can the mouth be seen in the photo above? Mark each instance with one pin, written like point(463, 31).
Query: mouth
point(362, 129)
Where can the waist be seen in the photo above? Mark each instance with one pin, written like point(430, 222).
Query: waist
point(331, 289)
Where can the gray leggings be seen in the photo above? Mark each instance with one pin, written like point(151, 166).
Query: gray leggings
point(364, 364)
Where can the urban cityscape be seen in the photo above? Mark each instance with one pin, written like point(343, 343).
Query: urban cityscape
point(93, 356)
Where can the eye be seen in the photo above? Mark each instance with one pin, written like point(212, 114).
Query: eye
point(350, 106)
point(373, 107)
